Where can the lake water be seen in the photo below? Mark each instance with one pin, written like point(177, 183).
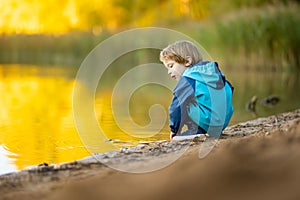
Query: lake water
point(36, 116)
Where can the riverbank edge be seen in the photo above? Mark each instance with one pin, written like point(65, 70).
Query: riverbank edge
point(86, 167)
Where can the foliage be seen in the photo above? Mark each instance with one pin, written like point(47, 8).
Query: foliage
point(269, 39)
point(68, 49)
point(61, 16)
point(251, 33)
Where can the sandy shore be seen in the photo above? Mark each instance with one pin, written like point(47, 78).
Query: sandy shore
point(258, 159)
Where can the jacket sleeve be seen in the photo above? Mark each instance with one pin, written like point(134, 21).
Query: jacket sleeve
point(183, 95)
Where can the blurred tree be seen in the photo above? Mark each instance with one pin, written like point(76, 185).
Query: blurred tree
point(60, 16)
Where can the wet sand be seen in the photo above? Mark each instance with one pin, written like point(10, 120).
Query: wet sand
point(258, 159)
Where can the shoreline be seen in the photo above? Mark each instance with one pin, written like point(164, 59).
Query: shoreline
point(143, 158)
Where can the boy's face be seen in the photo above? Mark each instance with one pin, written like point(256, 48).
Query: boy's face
point(174, 69)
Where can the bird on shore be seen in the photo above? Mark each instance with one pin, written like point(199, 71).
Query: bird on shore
point(270, 101)
point(251, 105)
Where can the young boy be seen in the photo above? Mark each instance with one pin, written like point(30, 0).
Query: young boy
point(202, 97)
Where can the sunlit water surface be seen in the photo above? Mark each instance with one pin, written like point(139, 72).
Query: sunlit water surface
point(36, 117)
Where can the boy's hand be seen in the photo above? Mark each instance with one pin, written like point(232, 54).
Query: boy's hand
point(172, 135)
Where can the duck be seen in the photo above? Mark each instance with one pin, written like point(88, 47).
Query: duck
point(251, 105)
point(270, 101)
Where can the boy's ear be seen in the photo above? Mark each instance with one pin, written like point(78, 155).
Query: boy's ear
point(189, 61)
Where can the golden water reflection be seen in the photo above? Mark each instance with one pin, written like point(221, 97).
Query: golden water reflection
point(36, 120)
point(36, 117)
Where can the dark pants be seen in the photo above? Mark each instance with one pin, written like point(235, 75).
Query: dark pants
point(193, 128)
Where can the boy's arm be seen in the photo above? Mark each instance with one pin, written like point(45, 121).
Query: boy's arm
point(175, 116)
point(183, 95)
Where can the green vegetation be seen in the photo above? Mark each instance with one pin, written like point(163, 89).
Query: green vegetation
point(250, 34)
point(68, 49)
point(268, 39)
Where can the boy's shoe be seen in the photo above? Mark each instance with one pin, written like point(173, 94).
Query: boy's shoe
point(188, 137)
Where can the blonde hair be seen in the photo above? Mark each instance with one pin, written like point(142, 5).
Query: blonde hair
point(180, 51)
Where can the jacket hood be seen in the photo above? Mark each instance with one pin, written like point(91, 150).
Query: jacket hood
point(207, 73)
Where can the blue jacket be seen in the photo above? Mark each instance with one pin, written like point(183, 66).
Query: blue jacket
point(204, 96)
